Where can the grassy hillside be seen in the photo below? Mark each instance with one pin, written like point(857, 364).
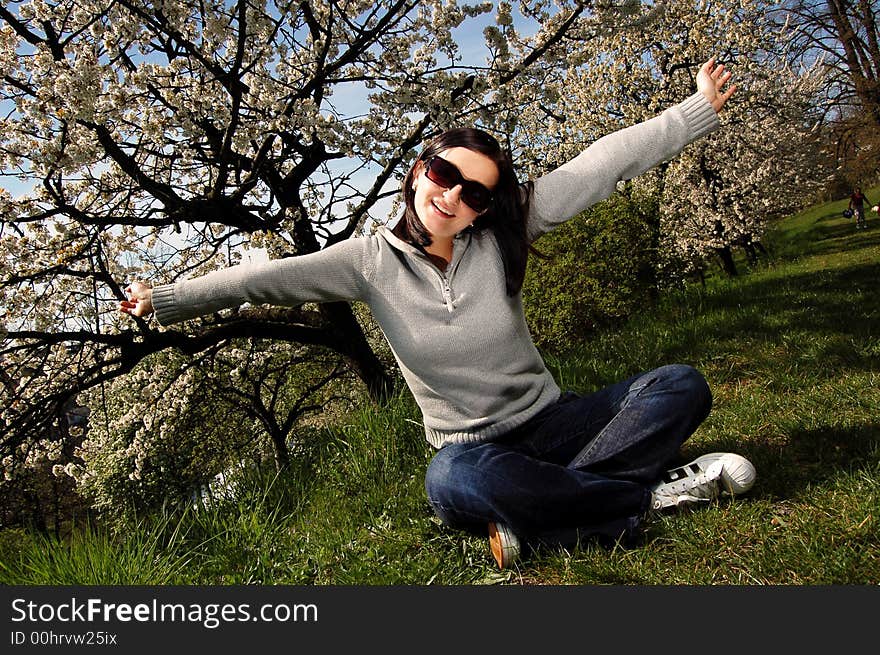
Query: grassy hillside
point(792, 352)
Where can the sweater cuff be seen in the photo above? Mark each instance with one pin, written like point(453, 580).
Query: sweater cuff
point(165, 306)
point(700, 115)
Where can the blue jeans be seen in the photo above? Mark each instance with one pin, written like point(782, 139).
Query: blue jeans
point(582, 467)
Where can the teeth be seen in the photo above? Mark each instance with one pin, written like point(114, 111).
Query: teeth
point(446, 213)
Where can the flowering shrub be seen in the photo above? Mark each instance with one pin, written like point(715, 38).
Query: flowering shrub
point(599, 269)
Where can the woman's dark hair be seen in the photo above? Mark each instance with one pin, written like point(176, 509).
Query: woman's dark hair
point(506, 216)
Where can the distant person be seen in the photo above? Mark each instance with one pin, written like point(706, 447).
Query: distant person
point(857, 205)
point(516, 455)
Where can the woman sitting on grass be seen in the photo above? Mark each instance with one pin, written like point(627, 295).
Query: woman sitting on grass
point(516, 455)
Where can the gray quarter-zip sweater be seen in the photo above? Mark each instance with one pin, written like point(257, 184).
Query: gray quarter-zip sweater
point(461, 342)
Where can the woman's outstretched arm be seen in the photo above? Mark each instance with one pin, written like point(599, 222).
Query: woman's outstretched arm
point(593, 175)
point(338, 272)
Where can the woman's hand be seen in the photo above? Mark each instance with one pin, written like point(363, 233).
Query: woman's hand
point(710, 81)
point(140, 300)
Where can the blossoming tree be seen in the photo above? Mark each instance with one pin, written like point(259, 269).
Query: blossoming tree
point(158, 140)
point(722, 191)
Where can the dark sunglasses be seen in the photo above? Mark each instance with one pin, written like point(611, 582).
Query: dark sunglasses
point(444, 174)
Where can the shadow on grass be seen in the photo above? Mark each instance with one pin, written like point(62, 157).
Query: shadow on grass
point(841, 237)
point(830, 234)
point(801, 332)
point(826, 319)
point(810, 457)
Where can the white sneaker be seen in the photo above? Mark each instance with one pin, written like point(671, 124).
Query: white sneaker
point(703, 480)
point(504, 544)
point(737, 474)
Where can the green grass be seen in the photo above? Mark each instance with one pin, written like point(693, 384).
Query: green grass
point(150, 551)
point(792, 352)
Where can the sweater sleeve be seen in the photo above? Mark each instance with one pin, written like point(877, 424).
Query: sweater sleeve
point(338, 272)
point(593, 175)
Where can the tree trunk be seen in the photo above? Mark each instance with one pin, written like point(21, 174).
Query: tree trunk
point(861, 58)
point(352, 344)
point(727, 263)
point(282, 452)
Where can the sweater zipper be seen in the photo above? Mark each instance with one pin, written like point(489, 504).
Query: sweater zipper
point(447, 293)
point(445, 285)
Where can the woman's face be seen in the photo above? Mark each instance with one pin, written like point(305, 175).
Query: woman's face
point(442, 210)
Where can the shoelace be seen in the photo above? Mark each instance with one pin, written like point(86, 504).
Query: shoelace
point(688, 486)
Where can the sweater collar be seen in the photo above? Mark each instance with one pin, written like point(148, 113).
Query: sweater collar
point(459, 246)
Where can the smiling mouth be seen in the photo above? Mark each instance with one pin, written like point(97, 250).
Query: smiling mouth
point(442, 211)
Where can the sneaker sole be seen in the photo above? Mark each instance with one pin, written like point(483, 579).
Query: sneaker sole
point(503, 550)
